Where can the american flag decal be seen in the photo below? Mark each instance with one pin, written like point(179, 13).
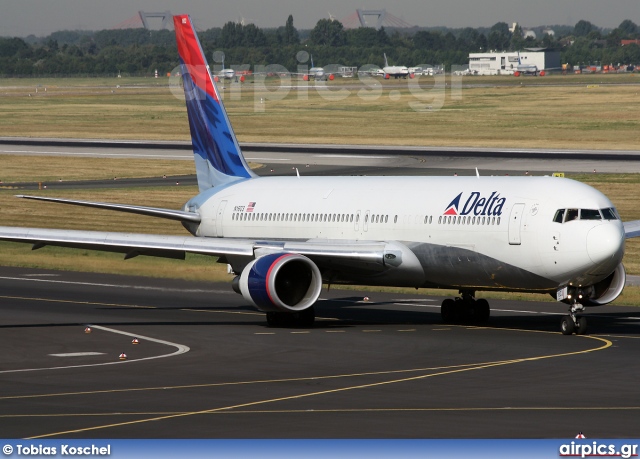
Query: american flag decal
point(251, 206)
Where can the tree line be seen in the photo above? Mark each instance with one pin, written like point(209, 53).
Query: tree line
point(141, 52)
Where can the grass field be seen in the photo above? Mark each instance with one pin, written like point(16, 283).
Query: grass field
point(589, 111)
point(573, 111)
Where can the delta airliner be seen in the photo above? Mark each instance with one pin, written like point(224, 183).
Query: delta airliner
point(285, 236)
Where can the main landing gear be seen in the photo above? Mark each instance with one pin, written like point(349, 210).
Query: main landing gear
point(573, 322)
point(465, 309)
point(298, 319)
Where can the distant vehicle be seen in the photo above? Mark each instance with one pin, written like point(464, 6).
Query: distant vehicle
point(227, 74)
point(317, 73)
point(530, 69)
point(396, 71)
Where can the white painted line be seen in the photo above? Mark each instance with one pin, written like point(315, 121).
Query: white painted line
point(138, 287)
point(334, 331)
point(120, 155)
point(269, 333)
point(180, 349)
point(409, 300)
point(364, 156)
point(417, 305)
point(267, 159)
point(76, 354)
point(42, 275)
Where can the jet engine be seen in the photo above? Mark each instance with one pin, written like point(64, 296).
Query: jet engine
point(606, 290)
point(280, 282)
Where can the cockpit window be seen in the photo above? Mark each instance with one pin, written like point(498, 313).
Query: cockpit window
point(567, 215)
point(571, 214)
point(609, 214)
point(558, 216)
point(590, 214)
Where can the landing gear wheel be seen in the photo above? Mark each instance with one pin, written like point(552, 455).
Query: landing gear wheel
point(567, 325)
point(304, 318)
point(581, 327)
point(274, 320)
point(448, 311)
point(299, 319)
point(482, 310)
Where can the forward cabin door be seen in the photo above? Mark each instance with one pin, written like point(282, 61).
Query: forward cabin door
point(515, 221)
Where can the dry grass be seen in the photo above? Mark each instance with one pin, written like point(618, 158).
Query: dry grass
point(17, 168)
point(582, 114)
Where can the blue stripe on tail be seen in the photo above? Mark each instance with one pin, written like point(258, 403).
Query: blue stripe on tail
point(218, 156)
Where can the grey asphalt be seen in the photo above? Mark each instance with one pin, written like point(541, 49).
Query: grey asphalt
point(382, 368)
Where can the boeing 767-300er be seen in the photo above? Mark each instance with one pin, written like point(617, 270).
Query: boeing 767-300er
point(285, 236)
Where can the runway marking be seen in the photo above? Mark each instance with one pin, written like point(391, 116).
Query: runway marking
point(299, 332)
point(619, 336)
point(371, 331)
point(181, 349)
point(121, 155)
point(417, 305)
point(606, 345)
point(77, 354)
point(334, 331)
point(335, 410)
point(264, 333)
point(267, 159)
point(365, 156)
point(219, 311)
point(137, 287)
point(409, 330)
point(92, 303)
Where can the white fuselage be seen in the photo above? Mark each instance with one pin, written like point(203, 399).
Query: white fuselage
point(396, 70)
point(480, 233)
point(316, 72)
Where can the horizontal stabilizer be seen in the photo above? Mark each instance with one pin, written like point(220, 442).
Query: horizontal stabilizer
point(169, 214)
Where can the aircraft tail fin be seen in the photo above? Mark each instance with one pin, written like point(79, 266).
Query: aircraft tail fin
point(217, 153)
point(312, 66)
point(386, 63)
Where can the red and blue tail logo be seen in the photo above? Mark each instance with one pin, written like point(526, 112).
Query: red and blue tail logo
point(218, 156)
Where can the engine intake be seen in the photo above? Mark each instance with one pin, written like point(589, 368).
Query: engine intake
point(280, 282)
point(607, 289)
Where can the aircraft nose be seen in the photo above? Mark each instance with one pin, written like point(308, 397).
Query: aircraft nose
point(604, 241)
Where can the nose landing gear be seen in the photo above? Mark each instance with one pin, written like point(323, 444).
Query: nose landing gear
point(573, 322)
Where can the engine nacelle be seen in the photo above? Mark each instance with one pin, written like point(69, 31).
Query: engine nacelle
point(280, 282)
point(607, 289)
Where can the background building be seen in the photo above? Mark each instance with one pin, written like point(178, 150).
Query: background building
point(509, 62)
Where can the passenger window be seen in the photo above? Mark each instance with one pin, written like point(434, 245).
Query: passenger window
point(559, 216)
point(590, 214)
point(571, 214)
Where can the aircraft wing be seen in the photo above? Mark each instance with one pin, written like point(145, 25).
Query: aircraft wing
point(632, 229)
point(356, 254)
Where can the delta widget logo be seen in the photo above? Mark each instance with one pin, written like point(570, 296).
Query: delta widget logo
point(476, 204)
